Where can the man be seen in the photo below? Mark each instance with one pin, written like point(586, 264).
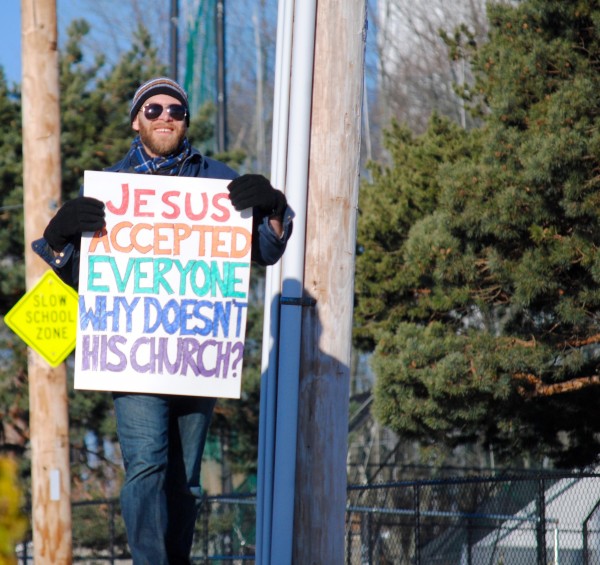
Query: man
point(162, 436)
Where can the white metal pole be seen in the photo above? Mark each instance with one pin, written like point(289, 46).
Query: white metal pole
point(293, 282)
point(268, 404)
point(556, 543)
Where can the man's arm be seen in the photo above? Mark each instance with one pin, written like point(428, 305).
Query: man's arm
point(272, 217)
point(60, 245)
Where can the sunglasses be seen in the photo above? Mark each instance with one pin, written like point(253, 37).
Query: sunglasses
point(154, 111)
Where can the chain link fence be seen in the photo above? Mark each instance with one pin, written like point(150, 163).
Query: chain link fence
point(532, 520)
point(528, 520)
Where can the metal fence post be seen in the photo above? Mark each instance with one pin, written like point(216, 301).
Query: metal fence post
point(348, 538)
point(206, 514)
point(417, 503)
point(556, 544)
point(584, 527)
point(541, 523)
point(369, 539)
point(111, 530)
point(586, 551)
point(469, 541)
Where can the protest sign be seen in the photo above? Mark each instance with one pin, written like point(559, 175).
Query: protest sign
point(163, 289)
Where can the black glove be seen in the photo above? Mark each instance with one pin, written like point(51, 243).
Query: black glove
point(255, 191)
point(73, 218)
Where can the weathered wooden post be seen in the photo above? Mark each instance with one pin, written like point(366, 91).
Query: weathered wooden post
point(49, 428)
point(319, 517)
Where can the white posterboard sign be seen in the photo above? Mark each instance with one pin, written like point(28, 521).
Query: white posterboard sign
point(163, 290)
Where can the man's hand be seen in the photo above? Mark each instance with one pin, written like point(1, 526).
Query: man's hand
point(73, 218)
point(255, 191)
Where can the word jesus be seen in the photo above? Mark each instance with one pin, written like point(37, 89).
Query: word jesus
point(170, 205)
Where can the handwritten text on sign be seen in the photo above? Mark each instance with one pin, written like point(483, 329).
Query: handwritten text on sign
point(164, 288)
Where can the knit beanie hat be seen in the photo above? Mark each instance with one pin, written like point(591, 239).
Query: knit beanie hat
point(160, 85)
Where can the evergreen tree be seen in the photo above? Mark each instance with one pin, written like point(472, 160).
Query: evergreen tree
point(12, 274)
point(479, 278)
point(14, 402)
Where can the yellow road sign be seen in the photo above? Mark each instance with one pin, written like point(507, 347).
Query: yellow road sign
point(46, 318)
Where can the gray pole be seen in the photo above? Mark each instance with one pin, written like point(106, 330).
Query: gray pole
point(221, 89)
point(174, 38)
point(542, 558)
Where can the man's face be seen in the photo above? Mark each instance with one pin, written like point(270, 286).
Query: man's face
point(164, 135)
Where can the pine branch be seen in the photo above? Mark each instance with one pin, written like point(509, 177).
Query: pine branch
point(539, 388)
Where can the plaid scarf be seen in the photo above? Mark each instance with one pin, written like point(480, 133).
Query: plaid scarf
point(168, 165)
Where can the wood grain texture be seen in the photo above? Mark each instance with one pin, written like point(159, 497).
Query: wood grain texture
point(329, 278)
point(49, 427)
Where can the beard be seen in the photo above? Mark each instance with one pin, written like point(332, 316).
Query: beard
point(156, 145)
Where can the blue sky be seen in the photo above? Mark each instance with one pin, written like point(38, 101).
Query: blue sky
point(10, 40)
point(10, 35)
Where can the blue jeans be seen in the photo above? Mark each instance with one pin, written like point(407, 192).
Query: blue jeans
point(162, 438)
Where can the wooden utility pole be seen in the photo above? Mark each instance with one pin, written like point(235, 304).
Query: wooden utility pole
point(319, 515)
point(49, 427)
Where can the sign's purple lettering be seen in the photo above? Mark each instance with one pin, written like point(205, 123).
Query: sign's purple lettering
point(208, 358)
